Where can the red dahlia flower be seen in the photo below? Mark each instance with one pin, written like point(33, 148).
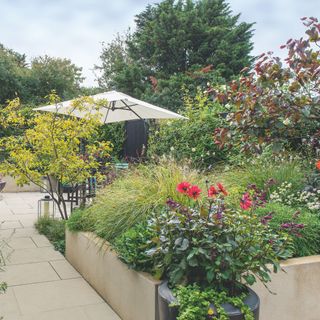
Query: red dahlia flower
point(246, 202)
point(194, 192)
point(212, 192)
point(318, 164)
point(183, 187)
point(222, 189)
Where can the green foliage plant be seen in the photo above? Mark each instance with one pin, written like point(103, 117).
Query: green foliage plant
point(207, 243)
point(54, 230)
point(308, 198)
point(50, 147)
point(195, 303)
point(308, 241)
point(115, 133)
point(190, 140)
point(206, 249)
point(260, 170)
point(132, 247)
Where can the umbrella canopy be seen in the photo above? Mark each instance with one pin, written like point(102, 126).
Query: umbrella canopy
point(119, 107)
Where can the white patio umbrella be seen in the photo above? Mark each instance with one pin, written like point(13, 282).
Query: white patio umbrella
point(119, 107)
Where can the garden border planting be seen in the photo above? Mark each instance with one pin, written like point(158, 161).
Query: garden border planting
point(132, 295)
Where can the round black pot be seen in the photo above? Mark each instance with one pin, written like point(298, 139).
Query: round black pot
point(165, 298)
point(2, 185)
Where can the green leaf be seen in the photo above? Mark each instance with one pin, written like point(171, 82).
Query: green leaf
point(184, 245)
point(193, 262)
point(250, 279)
point(210, 275)
point(277, 147)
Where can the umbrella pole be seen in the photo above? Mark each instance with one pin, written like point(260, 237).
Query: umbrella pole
point(82, 189)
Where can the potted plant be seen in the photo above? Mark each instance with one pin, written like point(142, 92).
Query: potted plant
point(211, 253)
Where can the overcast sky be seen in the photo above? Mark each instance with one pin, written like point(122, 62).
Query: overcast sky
point(75, 29)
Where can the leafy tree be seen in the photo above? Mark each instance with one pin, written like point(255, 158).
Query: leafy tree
point(277, 103)
point(47, 74)
point(175, 35)
point(51, 148)
point(12, 73)
point(118, 70)
point(176, 43)
point(35, 81)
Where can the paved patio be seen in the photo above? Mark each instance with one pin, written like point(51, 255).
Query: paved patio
point(42, 285)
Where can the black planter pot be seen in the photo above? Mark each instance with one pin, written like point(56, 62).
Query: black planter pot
point(165, 298)
point(2, 185)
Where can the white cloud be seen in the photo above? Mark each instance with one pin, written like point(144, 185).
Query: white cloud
point(276, 21)
point(75, 29)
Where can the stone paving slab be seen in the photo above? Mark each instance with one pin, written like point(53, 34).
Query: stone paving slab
point(64, 269)
point(99, 311)
point(20, 243)
point(18, 233)
point(9, 304)
point(40, 240)
point(28, 273)
point(46, 296)
point(32, 255)
point(42, 285)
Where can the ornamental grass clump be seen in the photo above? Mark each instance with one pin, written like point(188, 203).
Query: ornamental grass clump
point(130, 199)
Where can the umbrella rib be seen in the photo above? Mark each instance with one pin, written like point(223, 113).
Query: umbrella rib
point(105, 118)
point(129, 107)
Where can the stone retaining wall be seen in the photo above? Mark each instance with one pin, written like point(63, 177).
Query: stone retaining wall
point(133, 295)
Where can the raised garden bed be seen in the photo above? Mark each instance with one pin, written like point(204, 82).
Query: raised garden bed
point(296, 291)
point(133, 295)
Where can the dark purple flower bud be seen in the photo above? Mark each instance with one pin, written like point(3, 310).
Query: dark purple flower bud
point(263, 196)
point(172, 204)
point(296, 214)
point(252, 186)
point(293, 228)
point(218, 215)
point(271, 182)
point(213, 254)
point(264, 220)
